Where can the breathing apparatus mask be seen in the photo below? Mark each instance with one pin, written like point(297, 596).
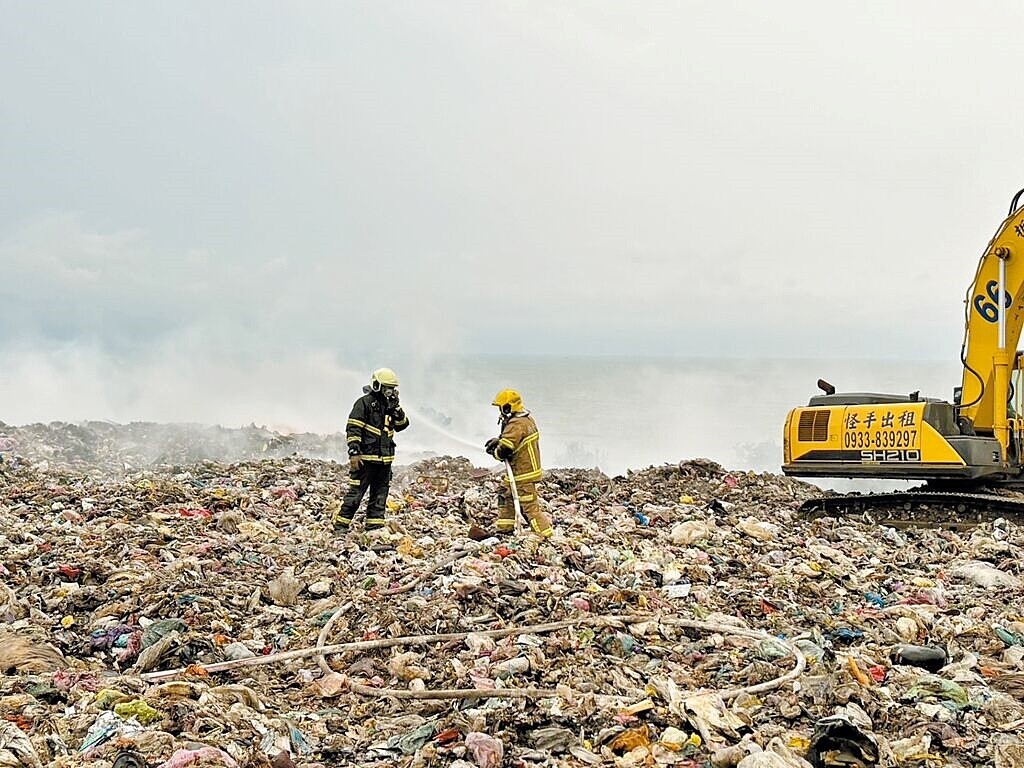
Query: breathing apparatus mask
point(504, 414)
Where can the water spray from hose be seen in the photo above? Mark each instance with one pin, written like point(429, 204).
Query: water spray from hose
point(421, 418)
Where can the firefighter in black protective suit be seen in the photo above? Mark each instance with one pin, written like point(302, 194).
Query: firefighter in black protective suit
point(370, 432)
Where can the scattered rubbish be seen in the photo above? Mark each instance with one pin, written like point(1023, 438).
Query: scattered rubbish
point(164, 591)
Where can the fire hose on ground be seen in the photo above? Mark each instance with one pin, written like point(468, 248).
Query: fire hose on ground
point(322, 649)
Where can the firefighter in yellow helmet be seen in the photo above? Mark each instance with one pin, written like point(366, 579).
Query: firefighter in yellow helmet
point(519, 444)
point(370, 432)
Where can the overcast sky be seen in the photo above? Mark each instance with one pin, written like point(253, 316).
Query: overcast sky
point(341, 183)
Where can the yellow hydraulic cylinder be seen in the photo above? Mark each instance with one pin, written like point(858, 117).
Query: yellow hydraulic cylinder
point(1000, 425)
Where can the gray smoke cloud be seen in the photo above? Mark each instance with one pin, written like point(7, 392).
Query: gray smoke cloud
point(232, 212)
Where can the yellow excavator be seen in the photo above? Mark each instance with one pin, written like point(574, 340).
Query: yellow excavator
point(971, 450)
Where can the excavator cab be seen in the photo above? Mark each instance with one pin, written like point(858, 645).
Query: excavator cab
point(881, 435)
point(1015, 409)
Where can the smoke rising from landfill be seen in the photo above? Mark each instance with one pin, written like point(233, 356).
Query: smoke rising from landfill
point(231, 213)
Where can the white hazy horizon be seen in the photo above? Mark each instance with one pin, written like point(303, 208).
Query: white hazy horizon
point(611, 412)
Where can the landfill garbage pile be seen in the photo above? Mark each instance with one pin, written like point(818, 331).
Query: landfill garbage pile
point(105, 446)
point(683, 615)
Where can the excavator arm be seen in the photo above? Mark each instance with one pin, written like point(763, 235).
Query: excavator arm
point(993, 318)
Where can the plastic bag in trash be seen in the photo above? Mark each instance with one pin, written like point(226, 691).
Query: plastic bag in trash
point(986, 576)
point(487, 751)
point(16, 743)
point(107, 726)
point(939, 690)
point(838, 741)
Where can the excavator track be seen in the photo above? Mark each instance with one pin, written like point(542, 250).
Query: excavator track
point(920, 509)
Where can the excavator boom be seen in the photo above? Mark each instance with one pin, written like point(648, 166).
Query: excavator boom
point(992, 328)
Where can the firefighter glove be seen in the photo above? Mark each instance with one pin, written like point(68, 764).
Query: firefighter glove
point(490, 445)
point(502, 452)
point(354, 464)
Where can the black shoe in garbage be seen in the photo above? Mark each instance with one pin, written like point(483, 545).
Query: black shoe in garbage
point(930, 657)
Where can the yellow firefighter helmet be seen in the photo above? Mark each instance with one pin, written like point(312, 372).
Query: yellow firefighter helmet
point(509, 401)
point(383, 377)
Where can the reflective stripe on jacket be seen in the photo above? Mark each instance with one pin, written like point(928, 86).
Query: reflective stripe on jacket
point(370, 430)
point(520, 435)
